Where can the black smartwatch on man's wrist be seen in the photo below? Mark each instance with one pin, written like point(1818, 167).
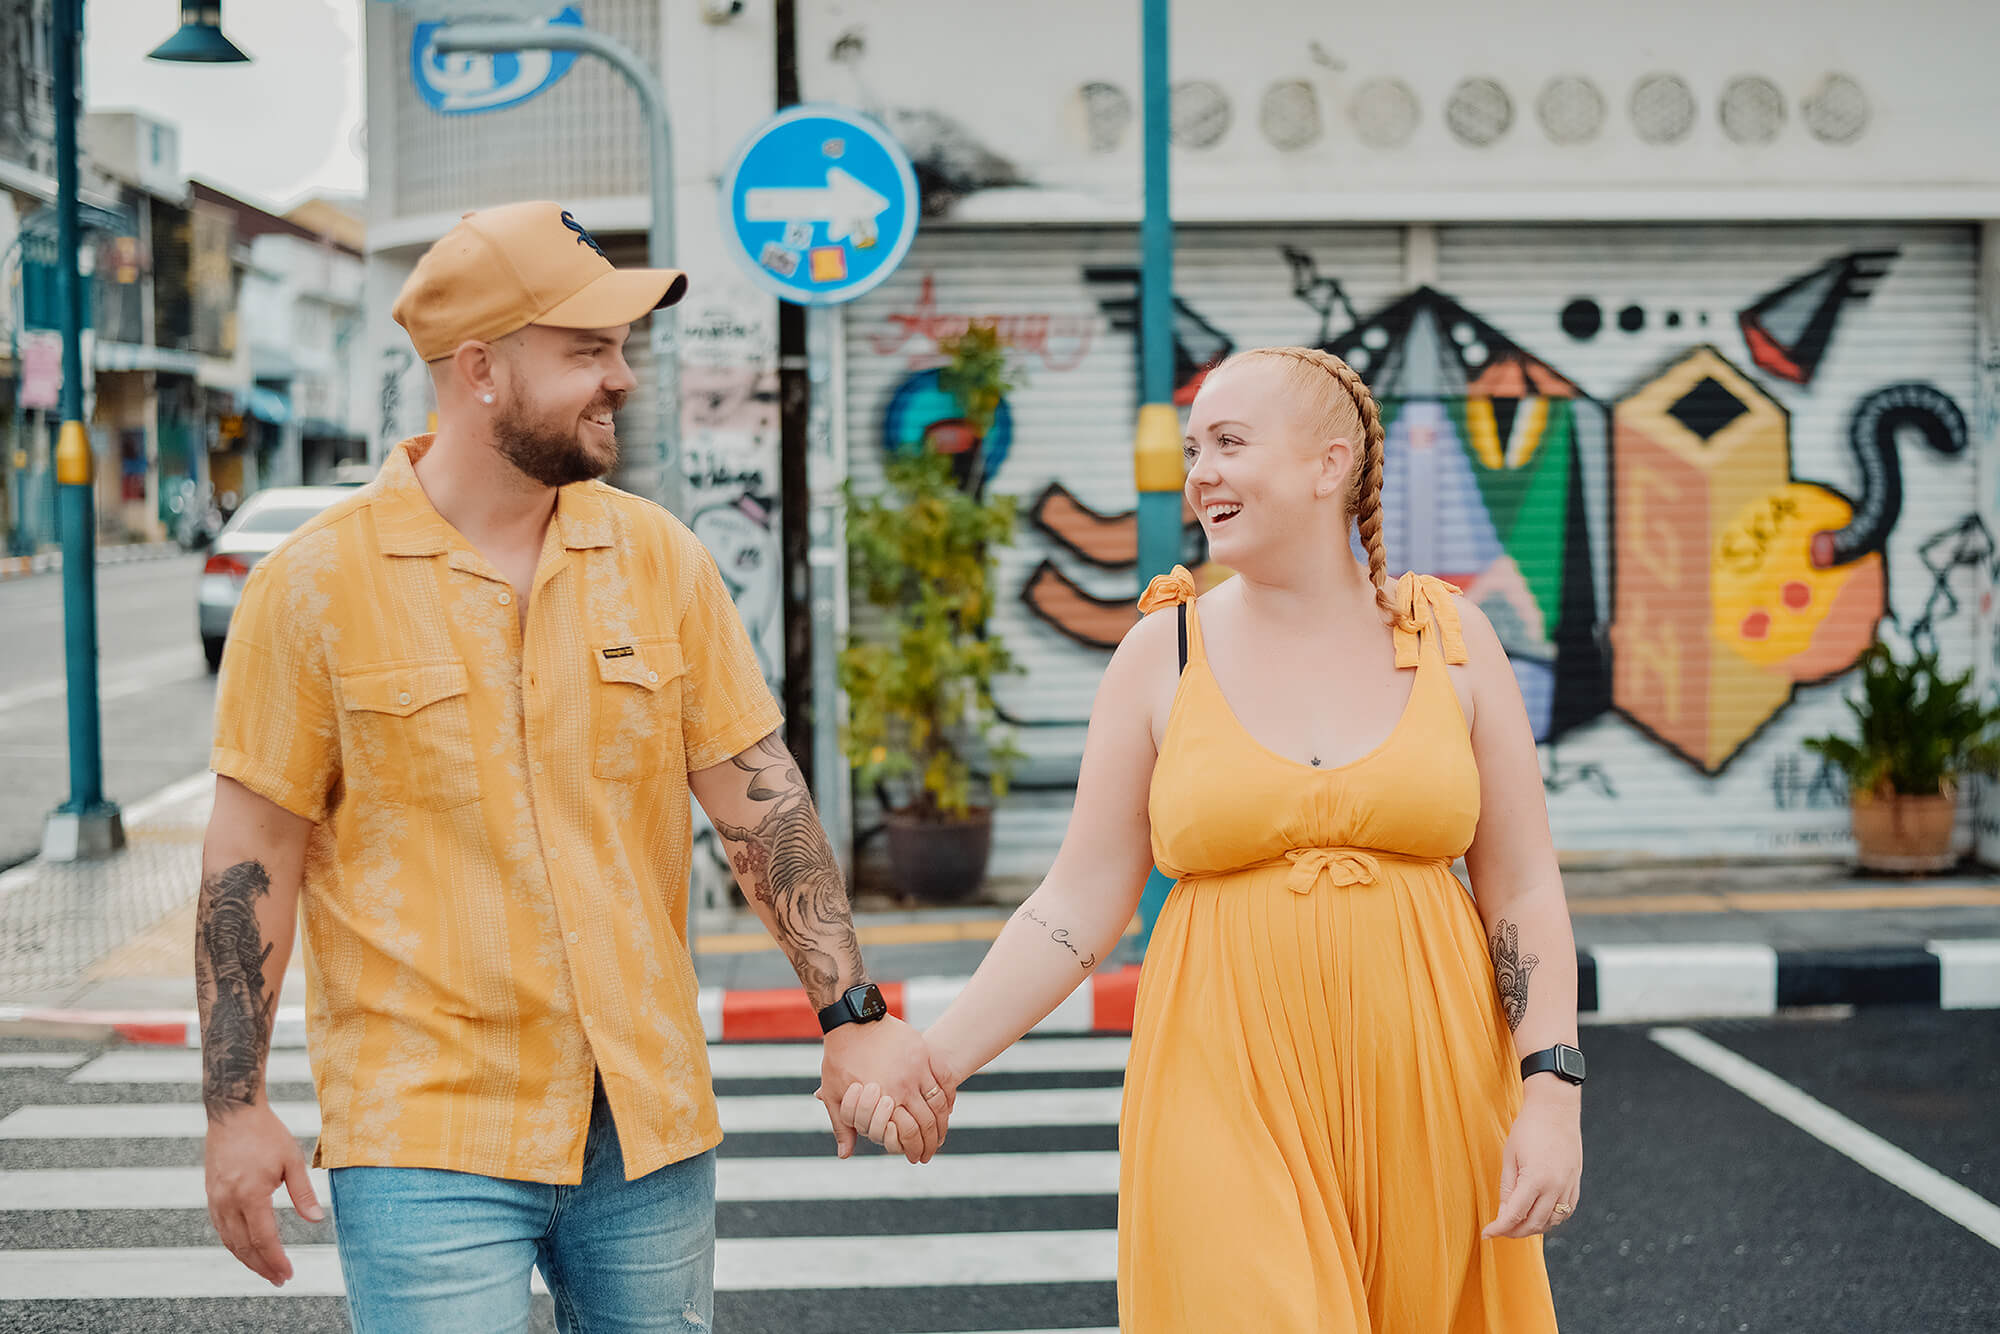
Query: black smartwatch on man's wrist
point(860, 1005)
point(1562, 1061)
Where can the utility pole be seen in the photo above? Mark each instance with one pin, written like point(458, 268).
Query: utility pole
point(86, 825)
point(1157, 462)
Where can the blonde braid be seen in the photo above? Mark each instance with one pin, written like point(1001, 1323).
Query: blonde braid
point(1364, 484)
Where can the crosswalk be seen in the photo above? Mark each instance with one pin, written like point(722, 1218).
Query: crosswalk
point(103, 1221)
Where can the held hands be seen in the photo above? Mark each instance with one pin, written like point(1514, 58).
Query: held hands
point(1542, 1166)
point(882, 1080)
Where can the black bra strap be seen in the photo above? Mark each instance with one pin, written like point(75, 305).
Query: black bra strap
point(1183, 612)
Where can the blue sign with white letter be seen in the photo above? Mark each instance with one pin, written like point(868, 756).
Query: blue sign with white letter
point(461, 84)
point(821, 205)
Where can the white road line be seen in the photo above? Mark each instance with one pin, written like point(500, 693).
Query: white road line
point(1975, 1213)
point(742, 1264)
point(126, 676)
point(40, 1060)
point(949, 1176)
point(788, 1060)
point(791, 1113)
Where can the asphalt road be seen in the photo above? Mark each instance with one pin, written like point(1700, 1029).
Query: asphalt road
point(157, 698)
point(1703, 1208)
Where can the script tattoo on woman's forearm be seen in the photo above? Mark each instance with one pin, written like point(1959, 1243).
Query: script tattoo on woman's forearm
point(784, 862)
point(1060, 935)
point(229, 956)
point(1511, 969)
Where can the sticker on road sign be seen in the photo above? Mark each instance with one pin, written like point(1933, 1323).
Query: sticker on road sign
point(821, 203)
point(468, 82)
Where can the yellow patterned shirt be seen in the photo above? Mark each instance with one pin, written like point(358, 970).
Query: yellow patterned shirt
point(496, 885)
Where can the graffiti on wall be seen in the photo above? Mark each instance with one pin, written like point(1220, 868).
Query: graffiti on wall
point(1645, 550)
point(1057, 342)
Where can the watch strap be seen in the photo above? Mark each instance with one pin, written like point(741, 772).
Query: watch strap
point(1563, 1061)
point(858, 1005)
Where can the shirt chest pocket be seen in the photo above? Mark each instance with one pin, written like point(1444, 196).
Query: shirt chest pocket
point(409, 734)
point(636, 709)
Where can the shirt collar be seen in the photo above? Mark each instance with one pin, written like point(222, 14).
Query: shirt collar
point(407, 524)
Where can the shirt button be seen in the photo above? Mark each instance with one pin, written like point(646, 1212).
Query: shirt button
point(586, 1021)
point(652, 676)
point(538, 766)
point(573, 937)
point(505, 598)
point(403, 698)
point(554, 852)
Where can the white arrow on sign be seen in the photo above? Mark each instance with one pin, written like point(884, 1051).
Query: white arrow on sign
point(845, 205)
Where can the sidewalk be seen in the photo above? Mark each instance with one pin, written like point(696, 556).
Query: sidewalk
point(50, 562)
point(107, 947)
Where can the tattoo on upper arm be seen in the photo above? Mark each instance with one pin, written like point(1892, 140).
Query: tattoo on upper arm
point(1511, 969)
point(784, 863)
point(1060, 935)
point(229, 956)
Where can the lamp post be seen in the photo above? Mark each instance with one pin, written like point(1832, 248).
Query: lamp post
point(88, 825)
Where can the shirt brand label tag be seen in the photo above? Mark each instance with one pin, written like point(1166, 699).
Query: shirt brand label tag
point(623, 651)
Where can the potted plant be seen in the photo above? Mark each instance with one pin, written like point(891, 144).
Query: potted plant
point(919, 674)
point(1920, 732)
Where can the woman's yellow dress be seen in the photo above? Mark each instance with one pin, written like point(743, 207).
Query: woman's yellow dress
point(1322, 1079)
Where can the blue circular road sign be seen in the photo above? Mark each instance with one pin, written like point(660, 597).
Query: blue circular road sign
point(820, 205)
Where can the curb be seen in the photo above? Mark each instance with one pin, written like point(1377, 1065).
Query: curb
point(50, 562)
point(1616, 984)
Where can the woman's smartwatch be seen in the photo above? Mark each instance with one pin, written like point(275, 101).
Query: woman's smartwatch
point(861, 1005)
point(1564, 1062)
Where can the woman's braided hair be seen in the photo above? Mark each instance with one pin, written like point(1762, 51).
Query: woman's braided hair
point(1349, 412)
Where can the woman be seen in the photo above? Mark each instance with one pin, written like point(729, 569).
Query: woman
point(1325, 1123)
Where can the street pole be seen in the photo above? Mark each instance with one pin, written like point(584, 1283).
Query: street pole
point(1156, 447)
point(488, 38)
point(86, 825)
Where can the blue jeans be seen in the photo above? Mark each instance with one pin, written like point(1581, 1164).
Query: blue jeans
point(432, 1252)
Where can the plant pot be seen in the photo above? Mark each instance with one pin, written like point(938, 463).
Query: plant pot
point(1900, 833)
point(939, 861)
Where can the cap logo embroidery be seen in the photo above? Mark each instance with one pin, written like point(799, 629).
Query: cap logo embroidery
point(583, 237)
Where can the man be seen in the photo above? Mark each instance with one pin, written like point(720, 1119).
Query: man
point(459, 720)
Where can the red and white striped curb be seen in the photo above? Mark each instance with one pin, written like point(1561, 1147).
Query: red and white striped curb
point(1616, 984)
point(50, 562)
point(1104, 1006)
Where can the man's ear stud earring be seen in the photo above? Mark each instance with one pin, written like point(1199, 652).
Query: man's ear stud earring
point(486, 398)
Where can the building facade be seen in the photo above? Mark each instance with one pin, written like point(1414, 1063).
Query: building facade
point(1687, 329)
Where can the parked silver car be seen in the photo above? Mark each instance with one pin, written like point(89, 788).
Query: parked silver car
point(266, 519)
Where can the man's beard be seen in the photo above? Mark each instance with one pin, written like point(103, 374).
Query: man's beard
point(547, 455)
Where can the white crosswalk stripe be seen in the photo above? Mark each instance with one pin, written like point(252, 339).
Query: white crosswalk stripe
point(102, 1198)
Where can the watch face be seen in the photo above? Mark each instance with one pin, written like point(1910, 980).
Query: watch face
point(870, 1005)
point(1569, 1062)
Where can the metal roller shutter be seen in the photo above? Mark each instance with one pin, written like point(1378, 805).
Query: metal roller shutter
point(1067, 303)
point(1764, 453)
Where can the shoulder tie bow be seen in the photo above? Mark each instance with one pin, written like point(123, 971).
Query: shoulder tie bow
point(1420, 598)
point(1168, 589)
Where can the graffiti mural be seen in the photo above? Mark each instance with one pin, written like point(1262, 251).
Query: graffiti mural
point(1681, 510)
point(1493, 478)
point(1788, 330)
point(1056, 342)
point(1727, 596)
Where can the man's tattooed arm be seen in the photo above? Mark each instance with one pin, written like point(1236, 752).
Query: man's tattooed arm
point(1511, 969)
point(1060, 935)
point(236, 1007)
point(782, 861)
